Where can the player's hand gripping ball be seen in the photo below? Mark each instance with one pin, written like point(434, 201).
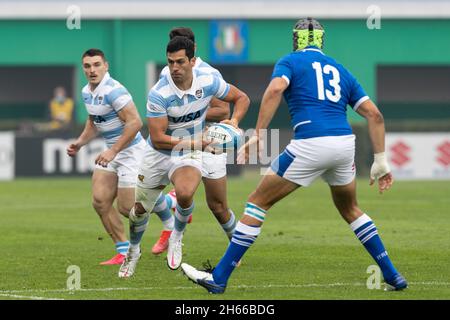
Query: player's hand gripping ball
point(224, 136)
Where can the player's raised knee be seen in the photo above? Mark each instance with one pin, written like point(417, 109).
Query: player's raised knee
point(184, 195)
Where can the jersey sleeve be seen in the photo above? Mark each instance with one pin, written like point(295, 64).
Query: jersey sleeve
point(164, 72)
point(357, 94)
point(156, 105)
point(207, 68)
point(216, 73)
point(220, 88)
point(283, 69)
point(118, 98)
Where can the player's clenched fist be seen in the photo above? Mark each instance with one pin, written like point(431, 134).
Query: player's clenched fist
point(72, 149)
point(105, 157)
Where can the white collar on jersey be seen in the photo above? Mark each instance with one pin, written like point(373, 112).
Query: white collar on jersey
point(312, 49)
point(180, 93)
point(106, 77)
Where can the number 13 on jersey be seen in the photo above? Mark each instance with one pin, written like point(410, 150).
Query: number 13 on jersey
point(334, 82)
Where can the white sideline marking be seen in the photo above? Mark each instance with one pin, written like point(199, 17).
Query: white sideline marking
point(27, 297)
point(307, 285)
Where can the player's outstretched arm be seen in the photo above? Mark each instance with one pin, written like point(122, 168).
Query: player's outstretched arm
point(380, 168)
point(270, 102)
point(89, 133)
point(269, 105)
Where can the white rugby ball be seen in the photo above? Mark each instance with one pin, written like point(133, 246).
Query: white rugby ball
point(224, 136)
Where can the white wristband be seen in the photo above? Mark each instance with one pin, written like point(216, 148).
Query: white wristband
point(380, 157)
point(380, 166)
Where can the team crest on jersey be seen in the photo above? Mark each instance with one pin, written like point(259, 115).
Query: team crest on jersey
point(141, 177)
point(100, 99)
point(199, 93)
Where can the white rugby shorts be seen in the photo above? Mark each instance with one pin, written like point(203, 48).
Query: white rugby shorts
point(332, 158)
point(214, 165)
point(126, 164)
point(157, 168)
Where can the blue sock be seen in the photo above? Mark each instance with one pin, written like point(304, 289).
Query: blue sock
point(122, 247)
point(243, 238)
point(181, 218)
point(162, 210)
point(367, 233)
point(169, 201)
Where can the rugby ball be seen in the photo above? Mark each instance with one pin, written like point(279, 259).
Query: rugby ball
point(224, 136)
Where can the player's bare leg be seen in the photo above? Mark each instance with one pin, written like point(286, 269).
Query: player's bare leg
point(98, 196)
point(270, 190)
point(104, 191)
point(344, 198)
point(216, 198)
point(185, 180)
point(125, 200)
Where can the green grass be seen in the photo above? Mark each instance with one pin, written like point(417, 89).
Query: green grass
point(306, 251)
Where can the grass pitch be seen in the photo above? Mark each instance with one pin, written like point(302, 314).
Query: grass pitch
point(305, 251)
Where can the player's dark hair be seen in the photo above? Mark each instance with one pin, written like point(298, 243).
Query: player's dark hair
point(179, 43)
point(94, 52)
point(182, 32)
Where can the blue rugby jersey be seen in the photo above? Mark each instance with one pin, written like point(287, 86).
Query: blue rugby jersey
point(318, 93)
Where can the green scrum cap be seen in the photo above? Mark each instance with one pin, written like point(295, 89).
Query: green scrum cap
point(308, 32)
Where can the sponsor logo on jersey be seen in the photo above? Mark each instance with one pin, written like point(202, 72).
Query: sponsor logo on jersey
point(186, 118)
point(97, 119)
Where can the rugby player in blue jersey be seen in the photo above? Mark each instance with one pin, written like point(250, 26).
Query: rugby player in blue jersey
point(317, 90)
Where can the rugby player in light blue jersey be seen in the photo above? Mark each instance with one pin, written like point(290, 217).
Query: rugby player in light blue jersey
point(113, 114)
point(215, 165)
point(317, 90)
point(176, 111)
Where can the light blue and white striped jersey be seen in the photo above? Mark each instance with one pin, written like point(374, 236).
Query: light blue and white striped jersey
point(199, 65)
point(185, 110)
point(103, 104)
